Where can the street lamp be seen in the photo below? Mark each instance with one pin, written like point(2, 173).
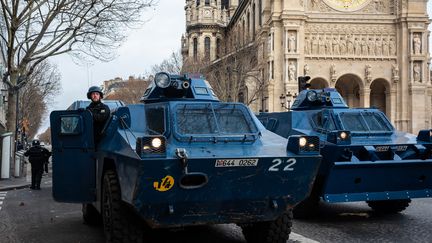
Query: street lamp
point(284, 99)
point(289, 98)
point(263, 99)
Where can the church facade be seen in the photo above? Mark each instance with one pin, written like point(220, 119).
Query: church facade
point(374, 52)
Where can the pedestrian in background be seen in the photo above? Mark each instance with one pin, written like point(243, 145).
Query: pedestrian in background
point(38, 156)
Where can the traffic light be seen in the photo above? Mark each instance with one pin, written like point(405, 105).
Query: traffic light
point(302, 83)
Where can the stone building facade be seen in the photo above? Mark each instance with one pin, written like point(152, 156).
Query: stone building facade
point(374, 52)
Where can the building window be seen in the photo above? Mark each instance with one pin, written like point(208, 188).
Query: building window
point(241, 97)
point(197, 2)
point(195, 48)
point(248, 27)
point(207, 2)
point(253, 21)
point(260, 12)
point(207, 48)
point(271, 69)
point(224, 4)
point(218, 47)
point(243, 30)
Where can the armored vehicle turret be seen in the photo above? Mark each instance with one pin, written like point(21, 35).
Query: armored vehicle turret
point(181, 158)
point(364, 157)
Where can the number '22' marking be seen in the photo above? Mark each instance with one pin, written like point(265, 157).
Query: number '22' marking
point(277, 162)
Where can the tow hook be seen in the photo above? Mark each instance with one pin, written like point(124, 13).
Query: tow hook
point(191, 180)
point(183, 156)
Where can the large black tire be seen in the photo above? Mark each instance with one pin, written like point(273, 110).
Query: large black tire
point(120, 224)
point(90, 215)
point(308, 208)
point(276, 231)
point(389, 206)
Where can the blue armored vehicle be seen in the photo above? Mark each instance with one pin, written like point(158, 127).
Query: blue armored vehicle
point(82, 104)
point(364, 157)
point(182, 158)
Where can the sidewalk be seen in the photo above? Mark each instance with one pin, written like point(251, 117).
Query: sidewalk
point(14, 183)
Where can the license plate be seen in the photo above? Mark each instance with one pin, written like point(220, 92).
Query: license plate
point(236, 162)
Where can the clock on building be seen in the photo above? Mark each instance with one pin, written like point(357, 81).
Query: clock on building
point(207, 13)
point(347, 5)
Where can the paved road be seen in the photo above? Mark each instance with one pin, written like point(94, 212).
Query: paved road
point(33, 217)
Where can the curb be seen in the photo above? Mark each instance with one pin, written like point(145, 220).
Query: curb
point(10, 188)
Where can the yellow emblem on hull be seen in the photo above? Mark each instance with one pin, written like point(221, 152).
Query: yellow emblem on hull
point(165, 184)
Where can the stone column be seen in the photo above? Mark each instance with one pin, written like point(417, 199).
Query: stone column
point(393, 104)
point(365, 97)
point(418, 108)
point(278, 64)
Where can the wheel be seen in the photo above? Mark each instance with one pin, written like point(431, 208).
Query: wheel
point(308, 208)
point(389, 206)
point(276, 231)
point(120, 224)
point(90, 215)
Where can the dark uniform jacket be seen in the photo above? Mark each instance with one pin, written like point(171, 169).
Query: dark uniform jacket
point(37, 156)
point(101, 113)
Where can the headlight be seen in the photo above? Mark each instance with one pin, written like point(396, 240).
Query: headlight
point(339, 137)
point(303, 144)
point(151, 146)
point(302, 141)
point(343, 135)
point(312, 96)
point(156, 142)
point(425, 135)
point(162, 80)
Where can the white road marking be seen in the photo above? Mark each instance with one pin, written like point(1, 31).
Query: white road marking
point(2, 197)
point(300, 238)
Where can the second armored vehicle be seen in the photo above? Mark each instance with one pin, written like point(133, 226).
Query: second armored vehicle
point(182, 158)
point(364, 157)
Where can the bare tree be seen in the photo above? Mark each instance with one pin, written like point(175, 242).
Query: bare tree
point(46, 136)
point(173, 64)
point(33, 30)
point(43, 84)
point(130, 92)
point(235, 76)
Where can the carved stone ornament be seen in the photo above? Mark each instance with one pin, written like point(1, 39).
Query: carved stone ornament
point(368, 73)
point(306, 69)
point(417, 72)
point(333, 75)
point(291, 71)
point(395, 73)
point(417, 43)
point(363, 6)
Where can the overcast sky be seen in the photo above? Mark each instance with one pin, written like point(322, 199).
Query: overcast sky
point(146, 46)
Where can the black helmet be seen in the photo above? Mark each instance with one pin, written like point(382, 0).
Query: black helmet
point(35, 142)
point(94, 89)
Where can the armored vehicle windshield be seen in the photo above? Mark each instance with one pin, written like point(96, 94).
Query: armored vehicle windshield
point(216, 120)
point(355, 120)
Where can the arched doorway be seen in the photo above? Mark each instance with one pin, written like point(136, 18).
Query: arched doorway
point(318, 83)
point(348, 86)
point(379, 95)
